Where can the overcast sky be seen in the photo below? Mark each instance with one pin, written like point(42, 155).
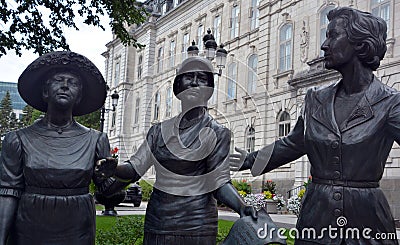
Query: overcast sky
point(89, 41)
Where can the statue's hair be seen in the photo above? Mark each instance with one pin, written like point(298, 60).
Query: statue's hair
point(367, 33)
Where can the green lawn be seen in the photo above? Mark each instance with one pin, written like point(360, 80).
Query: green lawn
point(129, 230)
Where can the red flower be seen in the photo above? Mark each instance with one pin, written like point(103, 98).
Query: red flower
point(114, 150)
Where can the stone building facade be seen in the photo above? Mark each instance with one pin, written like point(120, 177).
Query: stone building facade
point(274, 56)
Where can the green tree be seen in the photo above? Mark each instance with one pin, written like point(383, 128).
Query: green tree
point(91, 120)
point(29, 116)
point(39, 25)
point(7, 119)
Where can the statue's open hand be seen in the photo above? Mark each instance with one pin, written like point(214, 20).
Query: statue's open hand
point(236, 160)
point(248, 210)
point(105, 168)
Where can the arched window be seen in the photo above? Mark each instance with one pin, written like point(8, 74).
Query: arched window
point(250, 139)
point(285, 47)
point(283, 124)
point(323, 25)
point(252, 74)
point(232, 78)
point(168, 103)
point(140, 67)
point(156, 106)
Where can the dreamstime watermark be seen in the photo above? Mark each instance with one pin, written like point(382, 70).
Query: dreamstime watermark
point(339, 232)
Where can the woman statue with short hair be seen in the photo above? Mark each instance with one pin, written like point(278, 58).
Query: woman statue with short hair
point(347, 130)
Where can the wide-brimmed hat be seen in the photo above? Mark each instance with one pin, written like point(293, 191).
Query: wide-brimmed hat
point(32, 79)
point(193, 64)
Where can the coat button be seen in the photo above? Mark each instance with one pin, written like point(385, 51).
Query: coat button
point(337, 196)
point(335, 144)
point(337, 212)
point(336, 175)
point(335, 160)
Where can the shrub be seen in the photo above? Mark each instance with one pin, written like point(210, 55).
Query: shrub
point(147, 189)
point(128, 230)
point(242, 185)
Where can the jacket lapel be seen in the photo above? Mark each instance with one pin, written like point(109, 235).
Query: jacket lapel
point(363, 111)
point(325, 112)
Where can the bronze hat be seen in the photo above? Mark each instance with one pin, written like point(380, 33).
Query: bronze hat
point(32, 79)
point(193, 64)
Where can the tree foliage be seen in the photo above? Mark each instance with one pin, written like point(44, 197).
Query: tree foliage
point(8, 120)
point(91, 120)
point(30, 115)
point(38, 25)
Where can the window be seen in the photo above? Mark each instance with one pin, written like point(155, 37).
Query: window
point(232, 78)
point(232, 143)
point(185, 45)
point(168, 103)
point(140, 67)
point(252, 74)
point(323, 25)
point(137, 111)
point(172, 54)
point(200, 34)
point(234, 21)
point(254, 14)
point(285, 48)
point(381, 8)
point(217, 29)
point(160, 59)
point(250, 139)
point(214, 97)
point(116, 74)
point(156, 106)
point(283, 124)
point(113, 119)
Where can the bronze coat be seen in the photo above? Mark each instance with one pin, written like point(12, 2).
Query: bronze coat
point(347, 162)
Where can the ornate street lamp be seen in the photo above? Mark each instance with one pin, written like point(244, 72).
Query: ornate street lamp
point(114, 103)
point(211, 51)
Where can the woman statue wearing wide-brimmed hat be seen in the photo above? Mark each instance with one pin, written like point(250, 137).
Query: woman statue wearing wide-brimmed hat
point(46, 168)
point(190, 155)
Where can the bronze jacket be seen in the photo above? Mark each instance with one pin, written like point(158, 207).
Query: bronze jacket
point(347, 163)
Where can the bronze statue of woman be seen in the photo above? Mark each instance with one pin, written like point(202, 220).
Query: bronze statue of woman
point(190, 153)
point(46, 168)
point(347, 130)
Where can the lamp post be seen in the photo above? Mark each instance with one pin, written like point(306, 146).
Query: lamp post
point(211, 51)
point(114, 103)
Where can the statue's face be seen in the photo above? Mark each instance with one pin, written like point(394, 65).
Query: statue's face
point(337, 48)
point(195, 87)
point(63, 90)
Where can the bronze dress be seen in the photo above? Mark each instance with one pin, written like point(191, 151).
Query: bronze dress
point(50, 172)
point(191, 219)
